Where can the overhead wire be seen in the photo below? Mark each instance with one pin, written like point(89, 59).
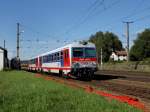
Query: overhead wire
point(94, 7)
point(90, 15)
point(142, 18)
point(134, 11)
point(84, 16)
point(39, 33)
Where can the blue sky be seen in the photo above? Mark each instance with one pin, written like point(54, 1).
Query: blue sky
point(48, 24)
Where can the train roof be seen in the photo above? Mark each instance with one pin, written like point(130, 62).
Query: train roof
point(74, 44)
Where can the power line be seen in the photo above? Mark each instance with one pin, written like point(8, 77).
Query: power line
point(84, 17)
point(38, 32)
point(134, 12)
point(93, 5)
point(141, 18)
point(89, 15)
point(138, 19)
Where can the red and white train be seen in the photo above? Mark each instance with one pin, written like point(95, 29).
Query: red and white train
point(77, 59)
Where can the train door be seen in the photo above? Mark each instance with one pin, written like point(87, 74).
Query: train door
point(36, 62)
point(66, 57)
point(40, 61)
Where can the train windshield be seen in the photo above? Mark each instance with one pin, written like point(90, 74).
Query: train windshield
point(90, 52)
point(78, 52)
point(84, 52)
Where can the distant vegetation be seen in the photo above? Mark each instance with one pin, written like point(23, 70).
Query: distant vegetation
point(141, 48)
point(108, 41)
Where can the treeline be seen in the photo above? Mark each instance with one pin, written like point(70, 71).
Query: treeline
point(109, 42)
point(141, 48)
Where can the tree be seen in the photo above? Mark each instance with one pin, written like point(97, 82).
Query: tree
point(141, 47)
point(108, 42)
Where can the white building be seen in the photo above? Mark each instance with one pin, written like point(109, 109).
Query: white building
point(119, 56)
point(3, 58)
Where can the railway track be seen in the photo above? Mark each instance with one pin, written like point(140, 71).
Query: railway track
point(130, 83)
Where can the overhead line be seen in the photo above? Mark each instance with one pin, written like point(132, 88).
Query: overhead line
point(135, 9)
point(142, 18)
point(85, 19)
point(37, 32)
point(91, 9)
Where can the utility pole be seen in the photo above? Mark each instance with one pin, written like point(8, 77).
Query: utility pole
point(128, 40)
point(4, 44)
point(18, 34)
point(101, 58)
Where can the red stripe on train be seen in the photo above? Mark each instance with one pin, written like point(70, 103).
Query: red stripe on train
point(56, 68)
point(50, 68)
point(83, 59)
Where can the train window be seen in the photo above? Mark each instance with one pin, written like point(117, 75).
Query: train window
point(30, 61)
point(57, 56)
point(33, 61)
point(52, 57)
point(78, 52)
point(45, 59)
point(90, 52)
point(49, 58)
point(61, 55)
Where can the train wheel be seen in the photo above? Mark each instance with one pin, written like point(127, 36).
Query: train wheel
point(41, 70)
point(89, 76)
point(79, 76)
point(64, 75)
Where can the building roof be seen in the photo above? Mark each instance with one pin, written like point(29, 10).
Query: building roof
point(2, 48)
point(121, 53)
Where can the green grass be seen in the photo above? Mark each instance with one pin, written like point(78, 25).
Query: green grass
point(142, 66)
point(22, 92)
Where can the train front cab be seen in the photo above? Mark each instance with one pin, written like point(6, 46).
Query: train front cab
point(83, 62)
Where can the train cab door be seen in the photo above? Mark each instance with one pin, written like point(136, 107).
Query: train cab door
point(66, 58)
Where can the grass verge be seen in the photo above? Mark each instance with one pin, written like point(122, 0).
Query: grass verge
point(22, 92)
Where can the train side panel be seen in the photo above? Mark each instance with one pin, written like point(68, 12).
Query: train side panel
point(57, 62)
